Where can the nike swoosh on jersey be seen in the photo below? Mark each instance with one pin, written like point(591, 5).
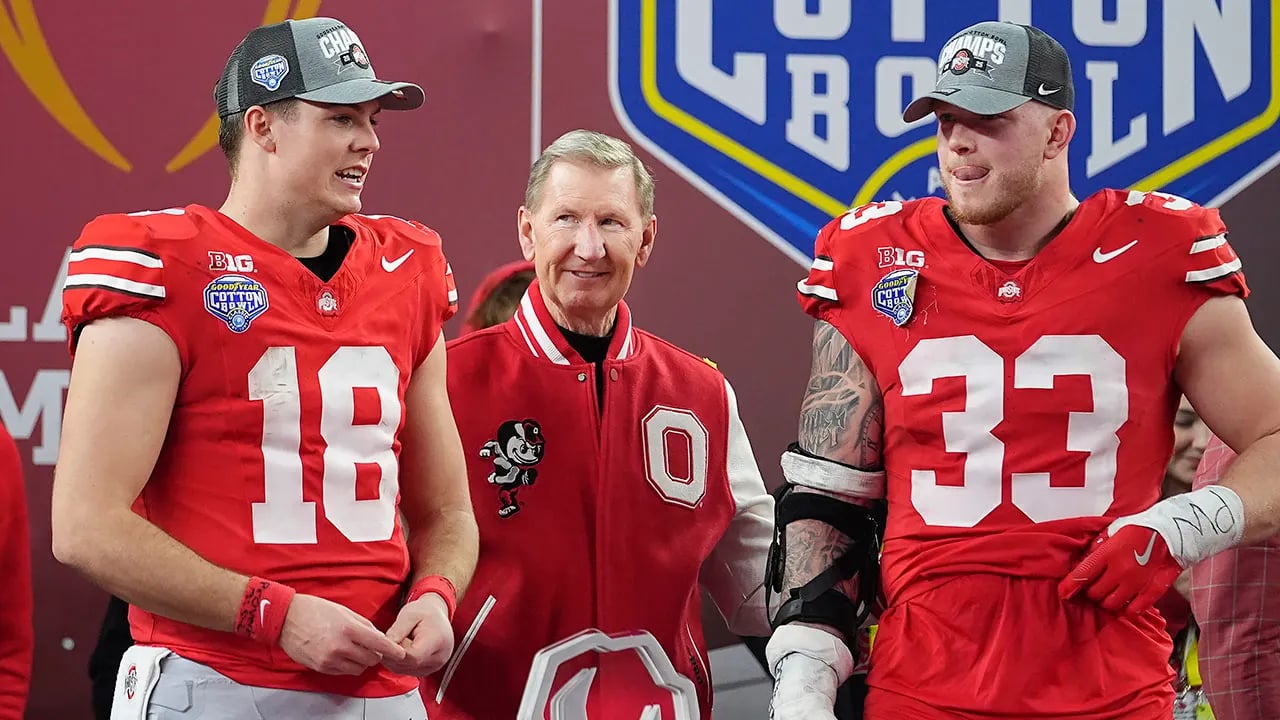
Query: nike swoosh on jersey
point(1145, 557)
point(1046, 91)
point(391, 265)
point(1101, 257)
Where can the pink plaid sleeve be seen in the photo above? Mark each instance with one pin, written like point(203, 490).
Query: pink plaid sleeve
point(1235, 597)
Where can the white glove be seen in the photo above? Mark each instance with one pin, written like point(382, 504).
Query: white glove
point(808, 666)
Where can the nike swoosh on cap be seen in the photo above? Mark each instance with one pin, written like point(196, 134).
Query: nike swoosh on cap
point(1046, 91)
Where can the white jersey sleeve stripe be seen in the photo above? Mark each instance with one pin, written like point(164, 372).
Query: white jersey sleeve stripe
point(1214, 273)
point(823, 264)
point(145, 260)
point(86, 280)
point(820, 291)
point(1207, 244)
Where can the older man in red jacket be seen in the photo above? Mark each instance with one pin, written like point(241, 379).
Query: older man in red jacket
point(610, 475)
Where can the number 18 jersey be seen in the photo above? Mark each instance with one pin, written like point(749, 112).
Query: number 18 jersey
point(1026, 406)
point(281, 457)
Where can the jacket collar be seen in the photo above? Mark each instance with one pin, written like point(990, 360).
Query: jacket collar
point(534, 330)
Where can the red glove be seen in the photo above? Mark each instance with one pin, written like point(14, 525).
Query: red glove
point(1128, 571)
point(1133, 563)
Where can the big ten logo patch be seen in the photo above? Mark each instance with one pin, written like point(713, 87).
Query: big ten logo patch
point(226, 262)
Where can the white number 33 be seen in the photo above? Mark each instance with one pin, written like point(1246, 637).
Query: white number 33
point(970, 431)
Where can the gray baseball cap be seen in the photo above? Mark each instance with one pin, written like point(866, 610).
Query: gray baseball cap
point(317, 59)
point(994, 67)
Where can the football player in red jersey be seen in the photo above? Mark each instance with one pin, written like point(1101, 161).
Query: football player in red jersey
point(1004, 367)
point(610, 473)
point(257, 393)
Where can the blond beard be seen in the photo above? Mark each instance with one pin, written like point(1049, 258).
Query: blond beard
point(1014, 191)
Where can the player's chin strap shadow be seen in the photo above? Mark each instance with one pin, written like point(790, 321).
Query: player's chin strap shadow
point(819, 600)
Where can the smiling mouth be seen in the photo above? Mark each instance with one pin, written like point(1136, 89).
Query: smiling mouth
point(353, 177)
point(586, 275)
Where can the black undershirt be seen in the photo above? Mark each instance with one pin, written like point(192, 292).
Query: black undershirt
point(594, 350)
point(326, 264)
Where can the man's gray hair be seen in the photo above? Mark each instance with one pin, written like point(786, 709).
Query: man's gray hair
point(596, 149)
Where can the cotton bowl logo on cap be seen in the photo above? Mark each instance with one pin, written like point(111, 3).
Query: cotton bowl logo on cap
point(236, 300)
point(269, 71)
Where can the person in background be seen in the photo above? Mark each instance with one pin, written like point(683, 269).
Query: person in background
point(1190, 436)
point(17, 638)
point(1235, 598)
point(498, 295)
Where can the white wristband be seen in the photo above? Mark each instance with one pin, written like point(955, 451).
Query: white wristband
point(1195, 525)
point(813, 643)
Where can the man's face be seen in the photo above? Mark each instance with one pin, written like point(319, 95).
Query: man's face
point(586, 238)
point(991, 164)
point(323, 153)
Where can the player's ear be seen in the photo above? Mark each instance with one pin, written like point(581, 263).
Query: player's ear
point(647, 237)
point(1061, 130)
point(257, 128)
point(524, 229)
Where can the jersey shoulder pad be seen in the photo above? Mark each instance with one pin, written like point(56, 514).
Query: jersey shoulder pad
point(1190, 238)
point(399, 242)
point(846, 239)
point(872, 220)
point(1166, 212)
point(117, 266)
point(393, 230)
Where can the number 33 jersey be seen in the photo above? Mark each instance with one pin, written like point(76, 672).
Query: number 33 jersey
point(281, 457)
point(1024, 406)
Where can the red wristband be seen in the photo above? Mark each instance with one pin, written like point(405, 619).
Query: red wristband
point(439, 585)
point(262, 610)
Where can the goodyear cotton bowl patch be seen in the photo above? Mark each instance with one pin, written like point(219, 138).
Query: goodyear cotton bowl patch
point(895, 295)
point(235, 300)
point(788, 112)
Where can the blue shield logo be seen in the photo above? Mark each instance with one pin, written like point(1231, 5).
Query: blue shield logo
point(269, 71)
point(788, 112)
point(235, 300)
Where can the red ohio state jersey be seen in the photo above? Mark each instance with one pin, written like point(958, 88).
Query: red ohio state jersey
point(1025, 407)
point(281, 458)
point(597, 526)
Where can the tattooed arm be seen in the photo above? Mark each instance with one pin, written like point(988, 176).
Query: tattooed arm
point(841, 433)
point(842, 415)
point(841, 419)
